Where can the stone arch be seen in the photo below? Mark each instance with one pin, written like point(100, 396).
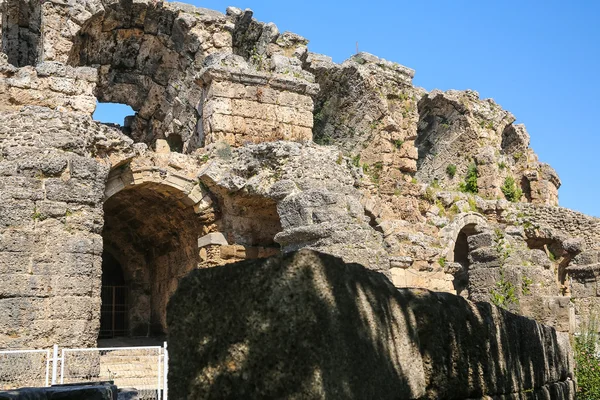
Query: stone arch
point(146, 172)
point(21, 31)
point(147, 54)
point(154, 238)
point(450, 233)
point(153, 216)
point(456, 238)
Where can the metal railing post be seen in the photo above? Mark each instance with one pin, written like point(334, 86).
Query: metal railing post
point(47, 367)
point(62, 367)
point(54, 364)
point(166, 373)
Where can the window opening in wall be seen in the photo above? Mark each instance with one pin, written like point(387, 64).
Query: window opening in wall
point(113, 113)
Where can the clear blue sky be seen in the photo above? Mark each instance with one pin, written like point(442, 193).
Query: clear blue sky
point(538, 59)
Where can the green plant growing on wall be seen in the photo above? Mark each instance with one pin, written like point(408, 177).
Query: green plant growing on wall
point(398, 143)
point(374, 171)
point(37, 216)
point(470, 183)
point(526, 285)
point(451, 170)
point(510, 190)
point(504, 294)
point(429, 195)
point(356, 160)
point(551, 255)
point(472, 203)
point(587, 360)
point(442, 261)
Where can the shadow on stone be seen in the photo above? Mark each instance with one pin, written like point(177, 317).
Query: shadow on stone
point(307, 325)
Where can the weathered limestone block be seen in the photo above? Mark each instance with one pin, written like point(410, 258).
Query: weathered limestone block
point(553, 311)
point(368, 107)
point(300, 193)
point(307, 325)
point(242, 105)
point(49, 85)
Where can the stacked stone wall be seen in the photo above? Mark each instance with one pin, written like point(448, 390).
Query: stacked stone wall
point(252, 108)
point(48, 84)
point(50, 228)
point(568, 222)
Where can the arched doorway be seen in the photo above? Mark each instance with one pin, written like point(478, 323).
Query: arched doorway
point(456, 242)
point(461, 257)
point(150, 241)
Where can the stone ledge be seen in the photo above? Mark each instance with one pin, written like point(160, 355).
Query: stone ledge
point(247, 77)
point(215, 238)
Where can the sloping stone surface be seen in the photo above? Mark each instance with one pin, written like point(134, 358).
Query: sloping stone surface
point(307, 325)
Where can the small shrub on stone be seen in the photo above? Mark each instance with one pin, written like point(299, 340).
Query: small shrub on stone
point(398, 143)
point(470, 183)
point(510, 190)
point(504, 294)
point(451, 170)
point(526, 285)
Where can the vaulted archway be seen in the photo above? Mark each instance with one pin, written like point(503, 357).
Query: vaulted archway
point(154, 238)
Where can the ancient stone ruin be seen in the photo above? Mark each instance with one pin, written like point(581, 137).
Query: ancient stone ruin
point(245, 145)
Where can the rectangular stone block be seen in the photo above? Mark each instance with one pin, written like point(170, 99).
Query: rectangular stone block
point(553, 311)
point(219, 123)
point(217, 105)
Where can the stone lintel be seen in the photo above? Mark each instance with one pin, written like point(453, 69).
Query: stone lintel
point(215, 238)
point(255, 78)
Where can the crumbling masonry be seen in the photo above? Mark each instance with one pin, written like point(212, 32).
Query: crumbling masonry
point(243, 145)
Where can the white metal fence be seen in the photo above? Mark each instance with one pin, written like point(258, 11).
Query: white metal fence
point(20, 368)
point(143, 369)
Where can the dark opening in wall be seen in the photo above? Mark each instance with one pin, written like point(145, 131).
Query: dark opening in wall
point(526, 188)
point(115, 293)
point(461, 256)
point(175, 143)
point(21, 31)
point(154, 236)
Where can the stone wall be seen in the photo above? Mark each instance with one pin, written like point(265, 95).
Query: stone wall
point(51, 85)
point(21, 31)
point(50, 227)
point(568, 222)
point(307, 325)
point(213, 95)
point(242, 106)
